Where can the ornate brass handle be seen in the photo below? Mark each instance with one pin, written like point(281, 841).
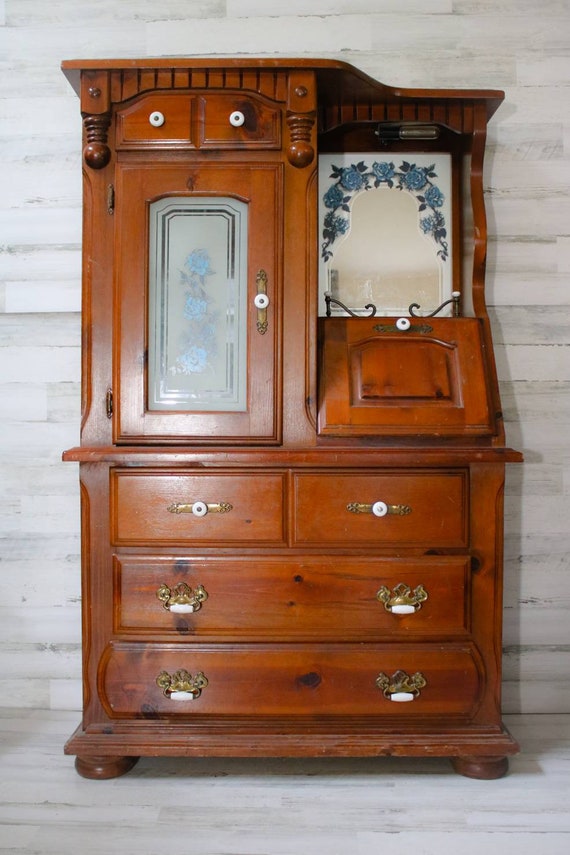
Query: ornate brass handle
point(181, 686)
point(379, 509)
point(261, 301)
point(400, 687)
point(182, 599)
point(199, 509)
point(401, 600)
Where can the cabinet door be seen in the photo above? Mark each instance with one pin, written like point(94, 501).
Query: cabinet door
point(196, 306)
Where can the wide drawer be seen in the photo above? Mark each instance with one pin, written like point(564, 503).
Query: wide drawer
point(156, 681)
point(156, 507)
point(277, 598)
point(415, 508)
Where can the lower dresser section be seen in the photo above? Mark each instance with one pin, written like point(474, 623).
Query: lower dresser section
point(292, 680)
point(291, 611)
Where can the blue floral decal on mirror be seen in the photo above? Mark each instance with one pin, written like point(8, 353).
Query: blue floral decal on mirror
point(417, 180)
point(199, 338)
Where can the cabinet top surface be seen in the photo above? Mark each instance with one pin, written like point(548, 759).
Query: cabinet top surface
point(331, 76)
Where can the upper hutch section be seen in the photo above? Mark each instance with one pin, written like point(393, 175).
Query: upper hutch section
point(282, 230)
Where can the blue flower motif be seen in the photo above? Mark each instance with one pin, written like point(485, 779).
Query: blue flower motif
point(428, 225)
point(360, 176)
point(336, 225)
point(333, 197)
point(414, 179)
point(434, 197)
point(195, 308)
point(198, 262)
point(351, 178)
point(194, 361)
point(383, 171)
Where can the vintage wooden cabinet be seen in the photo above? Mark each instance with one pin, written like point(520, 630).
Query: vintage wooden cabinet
point(292, 456)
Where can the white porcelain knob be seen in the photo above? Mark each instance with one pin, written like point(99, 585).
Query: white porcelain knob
point(402, 697)
point(199, 509)
point(156, 119)
point(403, 324)
point(261, 301)
point(237, 119)
point(379, 509)
point(183, 608)
point(182, 696)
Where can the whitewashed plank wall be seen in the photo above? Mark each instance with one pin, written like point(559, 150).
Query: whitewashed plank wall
point(519, 45)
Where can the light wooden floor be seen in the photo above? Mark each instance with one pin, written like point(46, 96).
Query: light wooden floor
point(280, 807)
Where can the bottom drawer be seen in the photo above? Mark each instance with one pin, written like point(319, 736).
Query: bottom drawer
point(331, 680)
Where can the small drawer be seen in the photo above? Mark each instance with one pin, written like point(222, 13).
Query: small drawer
point(234, 121)
point(366, 509)
point(290, 680)
point(171, 508)
point(157, 120)
point(302, 598)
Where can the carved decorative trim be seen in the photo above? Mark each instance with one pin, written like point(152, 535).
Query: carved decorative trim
point(300, 152)
point(97, 153)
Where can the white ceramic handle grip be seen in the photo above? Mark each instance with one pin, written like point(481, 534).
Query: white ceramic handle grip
point(182, 696)
point(402, 697)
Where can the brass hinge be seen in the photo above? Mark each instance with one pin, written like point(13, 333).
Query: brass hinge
point(109, 403)
point(110, 199)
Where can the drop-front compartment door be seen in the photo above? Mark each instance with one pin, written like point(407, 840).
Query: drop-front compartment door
point(425, 377)
point(197, 303)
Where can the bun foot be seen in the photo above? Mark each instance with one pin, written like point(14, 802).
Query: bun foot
point(102, 768)
point(484, 768)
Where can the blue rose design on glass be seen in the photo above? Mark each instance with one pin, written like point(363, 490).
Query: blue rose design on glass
point(195, 308)
point(198, 342)
point(418, 180)
point(193, 361)
point(198, 263)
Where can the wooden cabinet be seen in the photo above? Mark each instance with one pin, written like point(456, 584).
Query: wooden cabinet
point(291, 473)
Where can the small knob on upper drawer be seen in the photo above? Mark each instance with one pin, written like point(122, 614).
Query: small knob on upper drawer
point(379, 509)
point(199, 509)
point(403, 324)
point(156, 119)
point(237, 119)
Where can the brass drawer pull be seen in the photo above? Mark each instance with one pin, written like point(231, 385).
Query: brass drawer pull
point(401, 600)
point(182, 599)
point(199, 509)
point(379, 509)
point(261, 301)
point(181, 686)
point(400, 687)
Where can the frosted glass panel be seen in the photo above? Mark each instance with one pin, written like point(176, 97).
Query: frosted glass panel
point(385, 230)
point(197, 304)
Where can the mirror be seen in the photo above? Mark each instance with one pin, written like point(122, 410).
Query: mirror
point(385, 230)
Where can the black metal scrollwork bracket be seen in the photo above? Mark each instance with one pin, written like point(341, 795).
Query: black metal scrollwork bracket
point(330, 299)
point(454, 300)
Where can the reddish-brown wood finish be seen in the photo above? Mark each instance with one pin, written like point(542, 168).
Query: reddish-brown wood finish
point(290, 633)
